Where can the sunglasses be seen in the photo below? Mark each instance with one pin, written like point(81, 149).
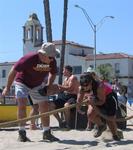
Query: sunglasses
point(84, 84)
point(85, 88)
point(50, 57)
point(47, 56)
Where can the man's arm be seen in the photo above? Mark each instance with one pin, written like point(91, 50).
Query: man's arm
point(49, 88)
point(10, 80)
point(51, 79)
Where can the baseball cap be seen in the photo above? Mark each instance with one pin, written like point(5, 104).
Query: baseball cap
point(48, 49)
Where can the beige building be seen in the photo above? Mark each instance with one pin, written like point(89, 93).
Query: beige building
point(121, 63)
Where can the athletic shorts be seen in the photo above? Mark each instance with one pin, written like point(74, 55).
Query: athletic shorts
point(22, 91)
point(64, 98)
point(110, 107)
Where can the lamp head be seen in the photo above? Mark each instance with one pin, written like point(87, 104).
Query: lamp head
point(76, 5)
point(112, 17)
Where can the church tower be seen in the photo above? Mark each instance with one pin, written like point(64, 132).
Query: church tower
point(32, 34)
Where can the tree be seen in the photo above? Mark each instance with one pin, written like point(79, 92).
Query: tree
point(47, 20)
point(63, 41)
point(105, 71)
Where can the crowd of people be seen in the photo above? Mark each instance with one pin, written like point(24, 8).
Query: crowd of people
point(37, 70)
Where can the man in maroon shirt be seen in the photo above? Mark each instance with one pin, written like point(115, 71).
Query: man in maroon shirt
point(28, 75)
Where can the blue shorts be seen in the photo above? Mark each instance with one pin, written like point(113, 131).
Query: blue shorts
point(22, 91)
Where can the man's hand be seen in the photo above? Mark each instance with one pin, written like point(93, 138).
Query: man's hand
point(49, 90)
point(43, 91)
point(5, 91)
point(60, 88)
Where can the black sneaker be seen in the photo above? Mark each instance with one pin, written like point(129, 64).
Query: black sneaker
point(64, 125)
point(116, 138)
point(49, 137)
point(99, 130)
point(22, 136)
point(89, 129)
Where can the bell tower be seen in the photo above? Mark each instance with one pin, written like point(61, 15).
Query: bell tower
point(32, 34)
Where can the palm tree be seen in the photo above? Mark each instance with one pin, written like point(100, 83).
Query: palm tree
point(47, 20)
point(63, 40)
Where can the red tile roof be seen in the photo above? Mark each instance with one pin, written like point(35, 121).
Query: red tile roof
point(59, 42)
point(109, 56)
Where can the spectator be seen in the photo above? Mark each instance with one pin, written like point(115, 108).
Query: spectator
point(130, 90)
point(68, 95)
point(122, 111)
point(115, 85)
point(122, 98)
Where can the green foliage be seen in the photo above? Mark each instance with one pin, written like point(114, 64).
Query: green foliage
point(105, 71)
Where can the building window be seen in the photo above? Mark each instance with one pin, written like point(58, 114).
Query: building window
point(28, 35)
point(132, 66)
point(37, 34)
point(3, 73)
point(83, 53)
point(117, 68)
point(77, 69)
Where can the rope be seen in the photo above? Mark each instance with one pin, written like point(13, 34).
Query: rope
point(14, 122)
point(126, 106)
point(9, 123)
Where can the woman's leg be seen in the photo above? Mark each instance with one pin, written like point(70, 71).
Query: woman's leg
point(113, 128)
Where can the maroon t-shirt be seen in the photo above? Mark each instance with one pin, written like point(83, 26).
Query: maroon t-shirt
point(31, 71)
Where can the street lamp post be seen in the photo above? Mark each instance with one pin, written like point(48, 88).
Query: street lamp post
point(94, 28)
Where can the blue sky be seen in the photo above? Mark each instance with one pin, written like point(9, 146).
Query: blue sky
point(115, 35)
